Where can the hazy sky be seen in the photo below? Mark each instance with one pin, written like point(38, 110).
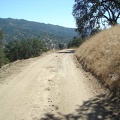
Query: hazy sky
point(57, 12)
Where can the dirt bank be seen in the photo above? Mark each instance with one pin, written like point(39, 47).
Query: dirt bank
point(100, 55)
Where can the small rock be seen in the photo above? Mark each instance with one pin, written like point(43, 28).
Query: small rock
point(100, 117)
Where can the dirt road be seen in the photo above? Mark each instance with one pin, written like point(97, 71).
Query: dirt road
point(47, 84)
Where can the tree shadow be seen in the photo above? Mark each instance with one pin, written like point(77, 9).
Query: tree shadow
point(67, 51)
point(99, 108)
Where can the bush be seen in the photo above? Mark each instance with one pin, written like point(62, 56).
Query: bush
point(3, 60)
point(24, 49)
point(75, 42)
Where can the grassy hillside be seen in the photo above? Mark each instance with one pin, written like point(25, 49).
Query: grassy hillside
point(15, 29)
point(100, 55)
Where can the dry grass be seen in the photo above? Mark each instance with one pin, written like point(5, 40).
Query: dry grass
point(100, 55)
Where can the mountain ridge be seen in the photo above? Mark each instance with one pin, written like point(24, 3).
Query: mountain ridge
point(18, 29)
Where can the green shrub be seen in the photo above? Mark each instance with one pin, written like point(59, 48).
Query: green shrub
point(24, 49)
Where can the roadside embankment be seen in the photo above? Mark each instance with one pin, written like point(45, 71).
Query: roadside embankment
point(100, 55)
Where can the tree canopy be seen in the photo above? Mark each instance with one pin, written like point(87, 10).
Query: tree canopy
point(75, 42)
point(23, 49)
point(61, 46)
point(90, 14)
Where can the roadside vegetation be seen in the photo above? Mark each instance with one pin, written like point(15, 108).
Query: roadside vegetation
point(24, 49)
point(75, 42)
point(3, 58)
point(100, 55)
point(1, 49)
point(20, 49)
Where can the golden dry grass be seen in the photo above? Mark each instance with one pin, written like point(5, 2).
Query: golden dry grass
point(100, 55)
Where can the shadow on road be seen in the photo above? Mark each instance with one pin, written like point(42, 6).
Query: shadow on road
point(67, 51)
point(98, 108)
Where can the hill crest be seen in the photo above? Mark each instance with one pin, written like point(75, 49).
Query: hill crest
point(17, 29)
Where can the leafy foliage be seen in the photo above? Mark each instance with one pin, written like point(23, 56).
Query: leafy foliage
point(1, 49)
point(61, 46)
point(23, 49)
point(89, 14)
point(75, 42)
point(3, 59)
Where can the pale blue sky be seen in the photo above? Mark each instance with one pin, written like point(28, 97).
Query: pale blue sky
point(57, 12)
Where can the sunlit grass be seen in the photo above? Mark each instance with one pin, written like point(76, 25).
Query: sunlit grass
point(100, 55)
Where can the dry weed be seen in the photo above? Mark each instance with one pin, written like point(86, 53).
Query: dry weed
point(100, 55)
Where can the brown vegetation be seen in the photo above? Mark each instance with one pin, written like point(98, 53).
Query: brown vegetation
point(100, 55)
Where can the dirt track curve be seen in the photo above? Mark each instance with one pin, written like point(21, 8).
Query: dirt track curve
point(47, 84)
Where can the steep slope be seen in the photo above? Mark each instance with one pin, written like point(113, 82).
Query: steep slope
point(15, 29)
point(100, 55)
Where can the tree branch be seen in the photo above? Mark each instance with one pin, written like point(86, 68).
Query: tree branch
point(106, 17)
point(117, 16)
point(115, 1)
point(109, 10)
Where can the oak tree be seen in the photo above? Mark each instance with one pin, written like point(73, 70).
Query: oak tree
point(90, 14)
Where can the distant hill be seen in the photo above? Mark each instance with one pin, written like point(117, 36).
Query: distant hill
point(15, 29)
